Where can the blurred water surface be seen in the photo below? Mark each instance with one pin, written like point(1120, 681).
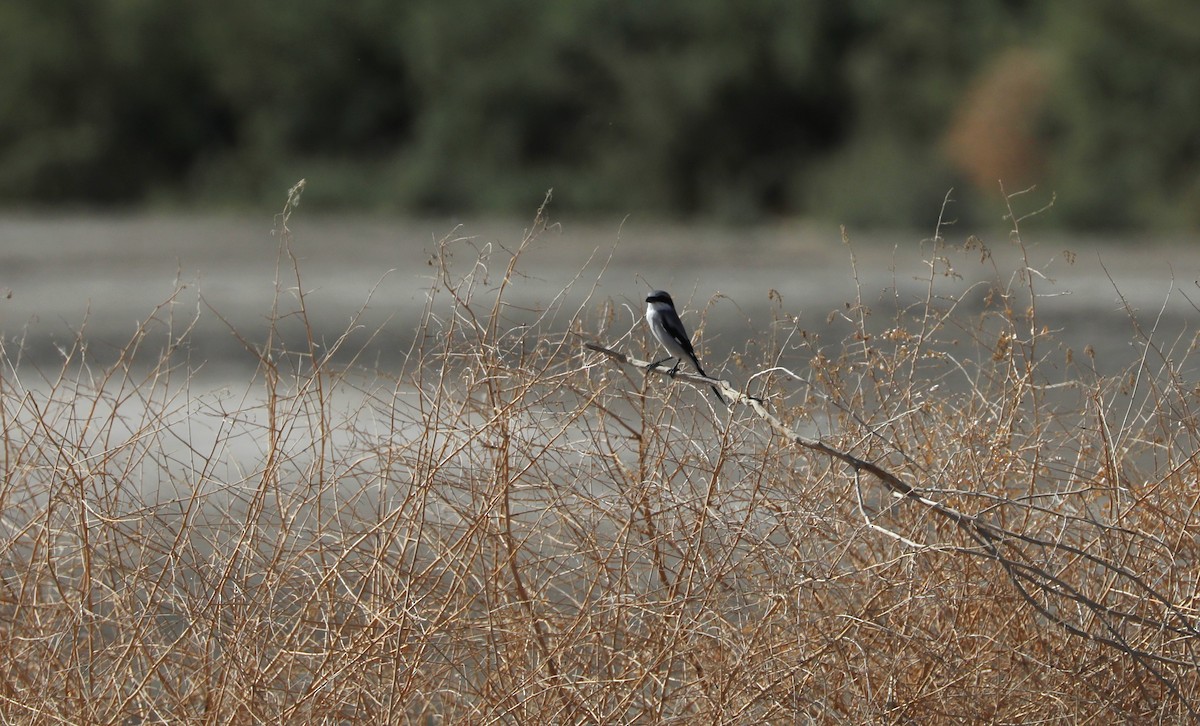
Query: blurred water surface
point(93, 278)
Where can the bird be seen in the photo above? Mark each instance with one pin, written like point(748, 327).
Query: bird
point(668, 330)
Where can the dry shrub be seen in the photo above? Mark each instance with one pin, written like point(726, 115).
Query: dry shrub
point(516, 529)
point(995, 132)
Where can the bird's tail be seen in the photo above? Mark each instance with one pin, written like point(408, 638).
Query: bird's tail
point(716, 391)
point(720, 398)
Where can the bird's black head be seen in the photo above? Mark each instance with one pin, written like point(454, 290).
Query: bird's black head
point(660, 296)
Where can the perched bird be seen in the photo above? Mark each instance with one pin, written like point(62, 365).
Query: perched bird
point(668, 329)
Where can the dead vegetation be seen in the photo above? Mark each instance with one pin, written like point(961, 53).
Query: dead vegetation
point(925, 526)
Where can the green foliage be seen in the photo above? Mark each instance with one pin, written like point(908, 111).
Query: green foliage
point(730, 110)
point(1124, 127)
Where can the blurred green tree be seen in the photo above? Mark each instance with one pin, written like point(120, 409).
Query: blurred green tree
point(855, 110)
point(1125, 147)
point(104, 100)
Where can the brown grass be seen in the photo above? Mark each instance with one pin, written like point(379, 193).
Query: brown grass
point(931, 526)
